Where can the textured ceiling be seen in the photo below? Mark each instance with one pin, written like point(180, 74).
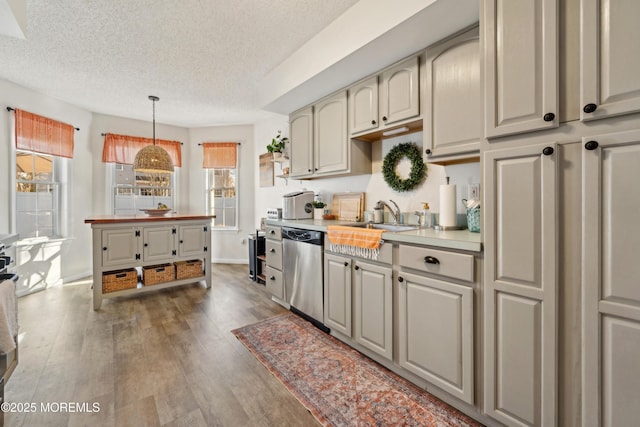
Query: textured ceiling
point(205, 59)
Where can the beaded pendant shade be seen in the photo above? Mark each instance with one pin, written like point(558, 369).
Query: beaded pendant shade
point(153, 158)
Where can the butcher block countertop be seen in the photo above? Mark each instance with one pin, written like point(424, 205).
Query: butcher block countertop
point(114, 219)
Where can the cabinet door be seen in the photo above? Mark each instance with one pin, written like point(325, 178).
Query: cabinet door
point(610, 271)
point(399, 92)
point(436, 332)
point(330, 134)
point(159, 243)
point(301, 143)
point(521, 66)
point(274, 282)
point(373, 307)
point(363, 106)
point(337, 293)
point(520, 285)
point(609, 58)
point(453, 117)
point(191, 240)
point(119, 246)
point(273, 251)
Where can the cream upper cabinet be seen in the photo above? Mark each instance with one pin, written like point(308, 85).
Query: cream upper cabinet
point(520, 43)
point(399, 92)
point(520, 226)
point(610, 272)
point(331, 148)
point(301, 143)
point(363, 106)
point(373, 307)
point(453, 117)
point(610, 58)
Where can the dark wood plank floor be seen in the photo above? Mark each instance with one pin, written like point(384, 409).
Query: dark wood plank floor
point(164, 358)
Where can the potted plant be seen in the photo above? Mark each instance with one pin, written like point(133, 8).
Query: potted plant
point(278, 145)
point(318, 209)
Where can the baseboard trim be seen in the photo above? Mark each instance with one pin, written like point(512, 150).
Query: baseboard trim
point(229, 261)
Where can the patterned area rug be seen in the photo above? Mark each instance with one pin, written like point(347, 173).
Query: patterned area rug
point(340, 386)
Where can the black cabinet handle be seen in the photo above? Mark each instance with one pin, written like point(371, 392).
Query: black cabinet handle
point(316, 168)
point(549, 117)
point(373, 122)
point(400, 279)
point(591, 145)
point(272, 278)
point(547, 151)
point(272, 232)
point(308, 170)
point(357, 267)
point(427, 152)
point(590, 108)
point(384, 118)
point(346, 264)
point(272, 250)
point(181, 241)
point(146, 245)
point(431, 260)
point(104, 248)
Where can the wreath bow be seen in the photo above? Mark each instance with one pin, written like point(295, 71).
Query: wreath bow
point(418, 169)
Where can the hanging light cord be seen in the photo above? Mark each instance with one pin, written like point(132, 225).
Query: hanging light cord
point(154, 99)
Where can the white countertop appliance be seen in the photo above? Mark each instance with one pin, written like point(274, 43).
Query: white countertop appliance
point(297, 205)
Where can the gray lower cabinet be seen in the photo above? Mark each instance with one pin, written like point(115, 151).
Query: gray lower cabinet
point(436, 323)
point(274, 279)
point(358, 299)
point(373, 307)
point(520, 225)
point(337, 293)
point(610, 271)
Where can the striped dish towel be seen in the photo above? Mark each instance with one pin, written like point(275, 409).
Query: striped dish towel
point(361, 242)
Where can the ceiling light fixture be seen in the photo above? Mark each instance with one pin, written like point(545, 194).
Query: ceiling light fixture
point(153, 158)
point(395, 131)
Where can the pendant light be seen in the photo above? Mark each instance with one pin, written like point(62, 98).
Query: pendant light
point(153, 158)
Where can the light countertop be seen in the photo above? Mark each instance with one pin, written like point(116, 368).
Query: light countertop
point(452, 239)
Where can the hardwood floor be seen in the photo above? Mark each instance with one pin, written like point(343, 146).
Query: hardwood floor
point(164, 358)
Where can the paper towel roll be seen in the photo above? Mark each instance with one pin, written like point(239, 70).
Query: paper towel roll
point(448, 205)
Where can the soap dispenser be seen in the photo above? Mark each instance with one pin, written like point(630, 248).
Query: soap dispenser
point(426, 216)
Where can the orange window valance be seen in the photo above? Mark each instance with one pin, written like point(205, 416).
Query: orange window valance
point(221, 155)
point(43, 135)
point(123, 148)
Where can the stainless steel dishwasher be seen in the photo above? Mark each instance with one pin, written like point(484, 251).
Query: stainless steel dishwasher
point(302, 264)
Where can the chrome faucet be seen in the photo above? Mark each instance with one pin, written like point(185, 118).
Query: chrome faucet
point(394, 213)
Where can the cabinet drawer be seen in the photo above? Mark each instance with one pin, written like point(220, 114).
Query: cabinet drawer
point(274, 283)
point(273, 232)
point(274, 253)
point(449, 264)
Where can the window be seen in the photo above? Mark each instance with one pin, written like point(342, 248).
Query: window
point(37, 194)
point(222, 200)
point(133, 191)
point(220, 162)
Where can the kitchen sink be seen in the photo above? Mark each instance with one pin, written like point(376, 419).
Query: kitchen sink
point(387, 227)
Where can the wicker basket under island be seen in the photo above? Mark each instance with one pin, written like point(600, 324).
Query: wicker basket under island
point(169, 250)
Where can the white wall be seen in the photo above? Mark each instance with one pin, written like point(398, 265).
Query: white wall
point(373, 185)
point(77, 260)
point(228, 246)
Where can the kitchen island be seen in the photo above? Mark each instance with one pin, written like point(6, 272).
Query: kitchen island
point(140, 253)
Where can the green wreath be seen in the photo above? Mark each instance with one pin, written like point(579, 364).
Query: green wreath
point(418, 169)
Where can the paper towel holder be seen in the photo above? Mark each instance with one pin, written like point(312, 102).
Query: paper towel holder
point(447, 227)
